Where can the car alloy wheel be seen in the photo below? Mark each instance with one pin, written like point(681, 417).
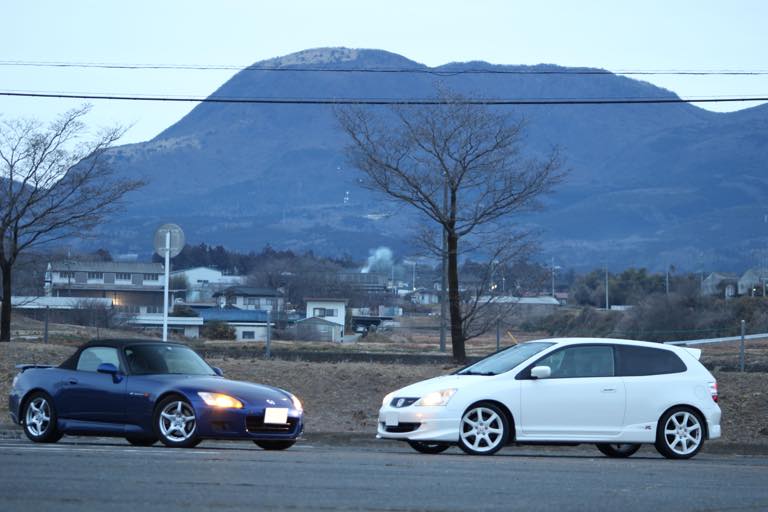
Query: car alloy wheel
point(176, 423)
point(619, 451)
point(484, 430)
point(40, 419)
point(681, 434)
point(429, 447)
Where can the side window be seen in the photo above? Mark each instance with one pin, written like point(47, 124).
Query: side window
point(92, 357)
point(580, 361)
point(636, 361)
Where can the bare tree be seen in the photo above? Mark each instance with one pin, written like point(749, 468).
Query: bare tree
point(460, 165)
point(53, 185)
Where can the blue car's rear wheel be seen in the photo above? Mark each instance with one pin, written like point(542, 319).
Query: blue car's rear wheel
point(275, 445)
point(175, 423)
point(40, 419)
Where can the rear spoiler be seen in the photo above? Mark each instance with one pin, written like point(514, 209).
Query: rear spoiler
point(23, 367)
point(695, 352)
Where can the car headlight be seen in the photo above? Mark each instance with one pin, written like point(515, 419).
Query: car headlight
point(297, 403)
point(15, 380)
point(387, 398)
point(220, 400)
point(437, 397)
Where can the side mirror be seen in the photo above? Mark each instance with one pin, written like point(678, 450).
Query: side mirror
point(112, 370)
point(107, 368)
point(218, 371)
point(541, 372)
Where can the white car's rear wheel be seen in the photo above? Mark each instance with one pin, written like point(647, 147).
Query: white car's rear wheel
point(680, 434)
point(484, 429)
point(619, 451)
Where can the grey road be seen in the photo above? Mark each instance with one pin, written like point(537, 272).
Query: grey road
point(111, 475)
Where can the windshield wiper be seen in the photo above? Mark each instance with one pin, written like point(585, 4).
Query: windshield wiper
point(477, 373)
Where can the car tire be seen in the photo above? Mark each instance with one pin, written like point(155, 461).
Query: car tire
point(175, 423)
point(680, 433)
point(40, 418)
point(275, 445)
point(428, 447)
point(141, 441)
point(484, 429)
point(618, 451)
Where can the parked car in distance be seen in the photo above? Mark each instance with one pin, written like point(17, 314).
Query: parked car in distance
point(145, 391)
point(617, 394)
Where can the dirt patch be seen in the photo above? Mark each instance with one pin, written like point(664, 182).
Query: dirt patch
point(346, 396)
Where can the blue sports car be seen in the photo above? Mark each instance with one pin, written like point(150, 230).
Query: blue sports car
point(147, 391)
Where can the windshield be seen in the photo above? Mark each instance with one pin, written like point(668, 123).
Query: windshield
point(505, 360)
point(161, 358)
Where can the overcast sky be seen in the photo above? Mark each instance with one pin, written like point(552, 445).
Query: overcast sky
point(611, 34)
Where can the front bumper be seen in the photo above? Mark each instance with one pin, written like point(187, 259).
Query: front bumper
point(246, 423)
point(418, 423)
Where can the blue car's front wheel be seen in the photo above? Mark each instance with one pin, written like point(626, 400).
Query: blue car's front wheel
point(175, 423)
point(40, 419)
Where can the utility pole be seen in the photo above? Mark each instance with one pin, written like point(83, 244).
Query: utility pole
point(607, 307)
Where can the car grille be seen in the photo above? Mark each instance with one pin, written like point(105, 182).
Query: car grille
point(402, 402)
point(401, 428)
point(255, 424)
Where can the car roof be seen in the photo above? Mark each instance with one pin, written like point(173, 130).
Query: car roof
point(120, 343)
point(71, 362)
point(607, 341)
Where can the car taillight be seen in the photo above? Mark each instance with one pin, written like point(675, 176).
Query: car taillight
point(713, 390)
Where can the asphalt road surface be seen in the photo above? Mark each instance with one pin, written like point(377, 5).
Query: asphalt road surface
point(86, 474)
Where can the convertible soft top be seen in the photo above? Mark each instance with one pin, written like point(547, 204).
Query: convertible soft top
point(71, 362)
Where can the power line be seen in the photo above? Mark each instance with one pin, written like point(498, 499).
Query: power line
point(415, 70)
point(387, 101)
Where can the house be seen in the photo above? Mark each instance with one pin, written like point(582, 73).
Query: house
point(328, 310)
point(251, 298)
point(249, 325)
point(753, 282)
point(203, 282)
point(720, 284)
point(318, 329)
point(134, 288)
point(425, 297)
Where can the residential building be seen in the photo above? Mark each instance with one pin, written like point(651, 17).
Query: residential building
point(319, 329)
point(251, 298)
point(134, 288)
point(204, 282)
point(249, 325)
point(753, 282)
point(329, 310)
point(720, 283)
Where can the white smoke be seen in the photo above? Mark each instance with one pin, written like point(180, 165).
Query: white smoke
point(378, 259)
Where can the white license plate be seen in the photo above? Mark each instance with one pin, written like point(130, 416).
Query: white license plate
point(276, 415)
point(391, 419)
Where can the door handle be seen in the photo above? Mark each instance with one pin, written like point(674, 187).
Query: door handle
point(609, 390)
point(72, 381)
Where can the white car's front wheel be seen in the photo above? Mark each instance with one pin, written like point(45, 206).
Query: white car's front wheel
point(484, 429)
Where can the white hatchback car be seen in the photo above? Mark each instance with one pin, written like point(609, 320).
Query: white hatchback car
point(617, 394)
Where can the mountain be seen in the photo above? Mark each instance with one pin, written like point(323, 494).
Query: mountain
point(649, 185)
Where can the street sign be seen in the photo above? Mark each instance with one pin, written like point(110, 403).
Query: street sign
point(176, 242)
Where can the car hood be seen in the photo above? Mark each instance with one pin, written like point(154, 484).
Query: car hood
point(247, 392)
point(424, 387)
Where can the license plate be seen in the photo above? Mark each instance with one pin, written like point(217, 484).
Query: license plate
point(391, 419)
point(276, 415)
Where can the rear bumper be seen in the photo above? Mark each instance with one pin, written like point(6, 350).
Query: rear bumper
point(713, 423)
